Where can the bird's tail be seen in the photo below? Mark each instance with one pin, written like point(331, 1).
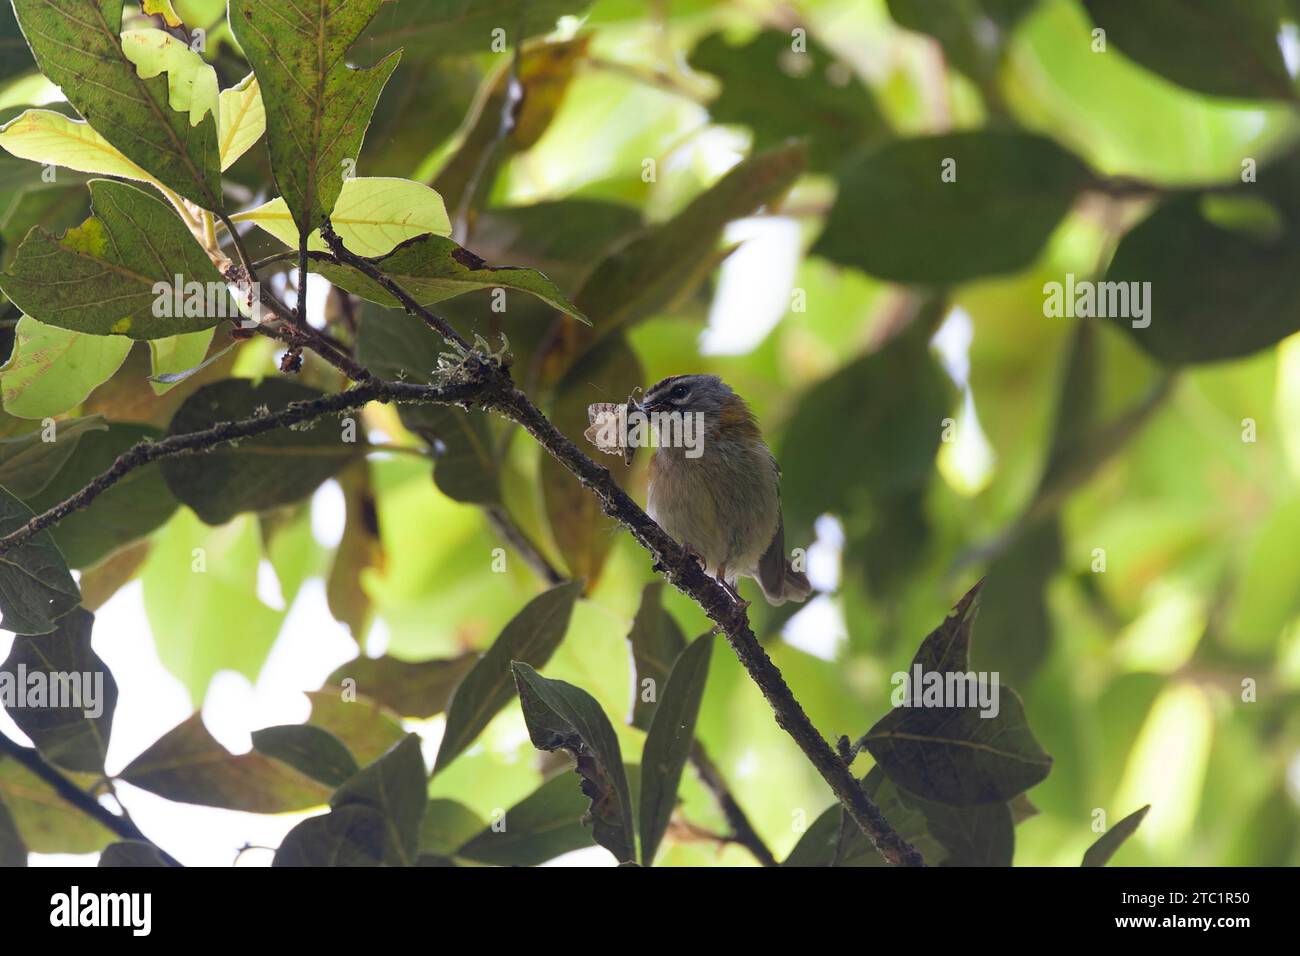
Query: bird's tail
point(792, 585)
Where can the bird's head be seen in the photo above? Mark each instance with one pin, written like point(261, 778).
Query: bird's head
point(689, 393)
point(723, 412)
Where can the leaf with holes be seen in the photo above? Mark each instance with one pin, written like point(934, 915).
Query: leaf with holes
point(79, 47)
point(318, 106)
point(563, 717)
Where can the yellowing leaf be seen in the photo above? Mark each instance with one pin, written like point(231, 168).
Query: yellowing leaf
point(372, 215)
point(191, 81)
point(162, 8)
point(52, 370)
point(44, 136)
point(242, 121)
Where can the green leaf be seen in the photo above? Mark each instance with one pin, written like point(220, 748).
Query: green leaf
point(52, 370)
point(419, 689)
point(131, 853)
point(200, 587)
point(255, 474)
point(74, 737)
point(1220, 49)
point(368, 730)
point(191, 81)
point(466, 453)
point(78, 47)
point(372, 215)
point(954, 836)
point(867, 435)
point(1099, 853)
point(973, 34)
point(44, 136)
point(36, 588)
point(669, 741)
point(563, 238)
point(13, 852)
point(947, 648)
point(15, 57)
point(782, 94)
point(542, 826)
point(100, 277)
point(395, 786)
point(46, 822)
point(532, 637)
point(650, 273)
point(28, 462)
point(656, 640)
point(1196, 272)
point(131, 509)
point(955, 756)
point(445, 826)
point(188, 765)
point(354, 835)
point(311, 750)
point(946, 836)
point(360, 550)
point(1010, 192)
point(535, 87)
point(319, 106)
point(1016, 621)
point(959, 756)
point(563, 717)
point(454, 26)
point(243, 120)
point(431, 268)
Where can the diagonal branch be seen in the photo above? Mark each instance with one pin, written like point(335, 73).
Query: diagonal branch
point(121, 825)
point(483, 382)
point(682, 571)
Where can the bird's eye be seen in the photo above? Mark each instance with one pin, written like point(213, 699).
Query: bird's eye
point(678, 392)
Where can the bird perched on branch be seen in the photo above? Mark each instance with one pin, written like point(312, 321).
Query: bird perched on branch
point(715, 487)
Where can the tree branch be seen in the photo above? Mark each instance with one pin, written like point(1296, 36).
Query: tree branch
point(74, 795)
point(742, 831)
point(485, 383)
point(681, 570)
point(470, 391)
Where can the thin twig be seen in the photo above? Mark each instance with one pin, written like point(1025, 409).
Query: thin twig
point(742, 830)
point(367, 268)
point(123, 826)
point(513, 535)
point(142, 453)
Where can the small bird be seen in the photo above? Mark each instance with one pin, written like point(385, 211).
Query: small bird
point(720, 499)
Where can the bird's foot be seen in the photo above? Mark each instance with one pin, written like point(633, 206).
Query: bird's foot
point(731, 591)
point(692, 553)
